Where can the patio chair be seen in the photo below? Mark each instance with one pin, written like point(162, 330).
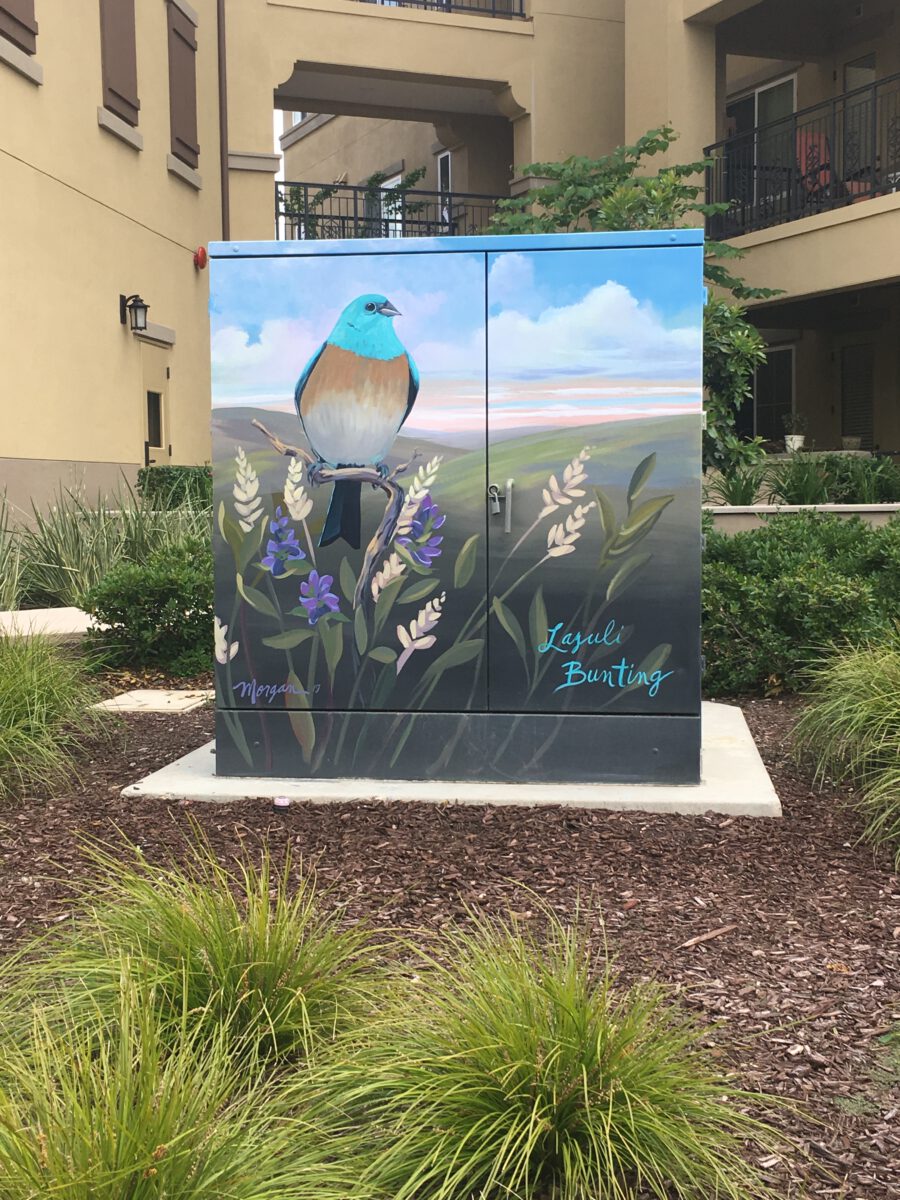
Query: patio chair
point(817, 179)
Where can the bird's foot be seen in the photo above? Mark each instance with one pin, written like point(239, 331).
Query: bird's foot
point(314, 472)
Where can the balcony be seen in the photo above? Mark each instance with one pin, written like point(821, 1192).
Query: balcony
point(325, 211)
point(827, 156)
point(477, 8)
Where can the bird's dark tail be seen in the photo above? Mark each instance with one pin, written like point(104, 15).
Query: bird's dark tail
point(344, 518)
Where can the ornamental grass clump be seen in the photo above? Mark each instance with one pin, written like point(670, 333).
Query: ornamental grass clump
point(119, 1105)
point(244, 948)
point(45, 714)
point(851, 731)
point(519, 1069)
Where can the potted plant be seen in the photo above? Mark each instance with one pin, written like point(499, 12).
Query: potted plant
point(850, 443)
point(795, 431)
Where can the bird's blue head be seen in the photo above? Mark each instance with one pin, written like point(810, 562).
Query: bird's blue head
point(366, 327)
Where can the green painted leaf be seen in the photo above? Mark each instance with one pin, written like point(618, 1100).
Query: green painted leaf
point(385, 603)
point(625, 573)
point(538, 625)
point(641, 476)
point(348, 580)
point(383, 654)
point(289, 639)
point(464, 566)
point(255, 598)
point(301, 719)
point(417, 591)
point(360, 633)
point(333, 641)
point(641, 519)
point(607, 516)
point(385, 684)
point(509, 621)
point(461, 652)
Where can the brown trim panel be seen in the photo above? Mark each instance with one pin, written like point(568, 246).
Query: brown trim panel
point(183, 86)
point(118, 54)
point(18, 24)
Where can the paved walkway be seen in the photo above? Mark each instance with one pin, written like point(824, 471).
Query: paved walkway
point(61, 623)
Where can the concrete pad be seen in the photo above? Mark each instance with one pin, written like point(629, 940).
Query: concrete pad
point(57, 623)
point(157, 700)
point(735, 782)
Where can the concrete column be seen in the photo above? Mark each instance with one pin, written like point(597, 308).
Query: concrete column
point(672, 76)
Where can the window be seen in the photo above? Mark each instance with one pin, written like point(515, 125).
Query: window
point(773, 394)
point(154, 419)
point(183, 85)
point(759, 165)
point(860, 72)
point(119, 59)
point(297, 117)
point(18, 24)
point(392, 208)
point(858, 393)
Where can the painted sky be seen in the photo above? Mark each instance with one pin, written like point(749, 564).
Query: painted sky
point(574, 336)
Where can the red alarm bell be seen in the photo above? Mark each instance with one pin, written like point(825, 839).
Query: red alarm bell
point(201, 258)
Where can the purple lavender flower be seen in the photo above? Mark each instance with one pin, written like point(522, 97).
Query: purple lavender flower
point(282, 548)
point(421, 542)
point(316, 596)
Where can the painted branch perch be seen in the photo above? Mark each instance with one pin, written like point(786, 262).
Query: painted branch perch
point(377, 549)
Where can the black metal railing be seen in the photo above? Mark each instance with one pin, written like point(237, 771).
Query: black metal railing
point(484, 8)
point(325, 211)
point(823, 157)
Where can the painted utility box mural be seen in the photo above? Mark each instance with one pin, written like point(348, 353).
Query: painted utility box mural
point(457, 507)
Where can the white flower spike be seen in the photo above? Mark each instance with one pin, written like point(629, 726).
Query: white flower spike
point(419, 635)
point(224, 652)
point(246, 492)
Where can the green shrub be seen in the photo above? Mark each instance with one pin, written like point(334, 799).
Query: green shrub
point(851, 730)
point(10, 559)
point(159, 612)
point(45, 713)
point(741, 484)
point(115, 1109)
point(249, 950)
point(852, 480)
point(776, 598)
point(172, 486)
point(510, 1068)
point(72, 546)
point(800, 479)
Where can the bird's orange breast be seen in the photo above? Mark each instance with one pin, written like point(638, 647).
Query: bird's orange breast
point(340, 376)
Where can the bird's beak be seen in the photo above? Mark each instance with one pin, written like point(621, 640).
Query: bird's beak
point(387, 309)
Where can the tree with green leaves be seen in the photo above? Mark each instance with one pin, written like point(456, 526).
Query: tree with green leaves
point(619, 192)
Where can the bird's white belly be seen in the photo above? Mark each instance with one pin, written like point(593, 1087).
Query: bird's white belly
point(343, 431)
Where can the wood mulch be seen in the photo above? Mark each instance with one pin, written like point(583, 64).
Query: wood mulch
point(786, 932)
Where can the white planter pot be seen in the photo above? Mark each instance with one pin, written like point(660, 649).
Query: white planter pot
point(794, 442)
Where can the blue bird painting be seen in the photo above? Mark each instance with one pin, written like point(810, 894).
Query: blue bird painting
point(352, 398)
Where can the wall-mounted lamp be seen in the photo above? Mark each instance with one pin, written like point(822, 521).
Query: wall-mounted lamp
point(134, 310)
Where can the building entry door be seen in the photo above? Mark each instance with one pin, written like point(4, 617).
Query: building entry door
point(157, 441)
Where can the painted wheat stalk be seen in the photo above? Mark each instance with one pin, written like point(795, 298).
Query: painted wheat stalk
point(246, 492)
point(298, 501)
point(556, 494)
point(392, 569)
point(419, 636)
point(421, 485)
point(561, 538)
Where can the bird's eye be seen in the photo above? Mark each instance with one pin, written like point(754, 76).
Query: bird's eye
point(370, 307)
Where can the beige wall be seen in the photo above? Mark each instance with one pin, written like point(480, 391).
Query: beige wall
point(354, 148)
point(557, 79)
point(87, 217)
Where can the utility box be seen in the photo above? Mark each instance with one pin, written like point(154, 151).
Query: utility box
point(457, 507)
